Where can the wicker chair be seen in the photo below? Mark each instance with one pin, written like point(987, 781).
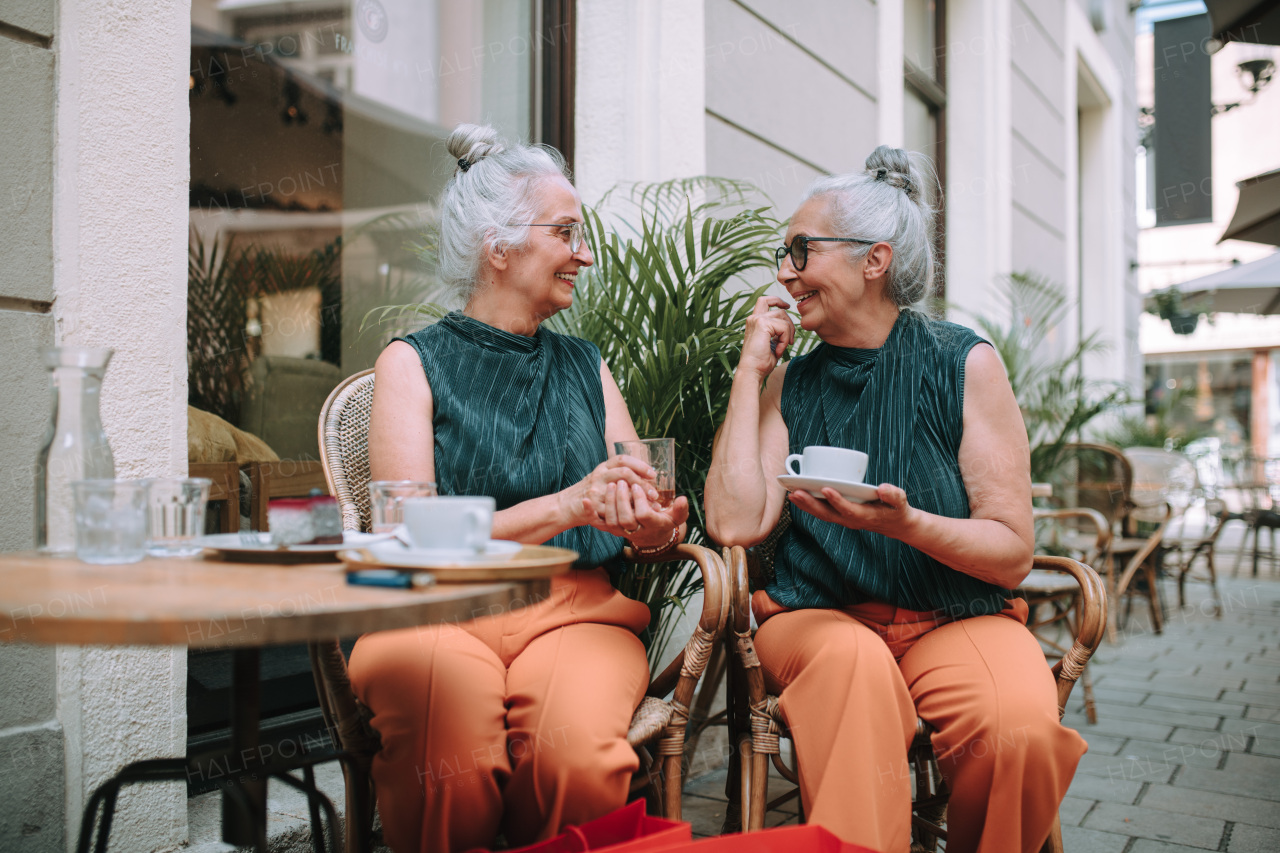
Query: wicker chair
point(658, 724)
point(757, 742)
point(1100, 477)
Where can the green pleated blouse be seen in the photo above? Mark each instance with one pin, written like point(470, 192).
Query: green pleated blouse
point(903, 404)
point(516, 418)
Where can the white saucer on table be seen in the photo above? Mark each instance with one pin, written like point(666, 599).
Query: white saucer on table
point(395, 553)
point(859, 493)
point(253, 546)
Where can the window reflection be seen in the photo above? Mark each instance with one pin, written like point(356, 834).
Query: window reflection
point(317, 154)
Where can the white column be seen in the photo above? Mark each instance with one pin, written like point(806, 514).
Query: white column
point(890, 42)
point(979, 183)
point(641, 93)
point(119, 244)
point(1098, 209)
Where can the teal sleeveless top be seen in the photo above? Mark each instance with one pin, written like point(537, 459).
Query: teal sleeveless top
point(516, 418)
point(903, 404)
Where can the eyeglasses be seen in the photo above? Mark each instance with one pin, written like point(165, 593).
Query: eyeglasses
point(577, 231)
point(799, 248)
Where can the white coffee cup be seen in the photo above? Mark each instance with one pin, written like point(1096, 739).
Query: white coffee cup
point(449, 523)
point(829, 463)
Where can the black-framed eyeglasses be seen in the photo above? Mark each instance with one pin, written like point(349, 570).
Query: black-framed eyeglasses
point(799, 248)
point(577, 231)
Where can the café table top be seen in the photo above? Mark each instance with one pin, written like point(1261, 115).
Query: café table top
point(204, 603)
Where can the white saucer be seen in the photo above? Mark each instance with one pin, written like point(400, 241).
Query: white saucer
point(394, 553)
point(252, 546)
point(859, 493)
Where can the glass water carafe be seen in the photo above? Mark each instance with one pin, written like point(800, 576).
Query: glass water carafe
point(75, 446)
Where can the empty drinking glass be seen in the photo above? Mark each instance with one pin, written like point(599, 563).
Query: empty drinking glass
point(175, 515)
point(386, 501)
point(111, 520)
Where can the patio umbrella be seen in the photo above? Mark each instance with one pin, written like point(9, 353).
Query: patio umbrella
point(1257, 216)
point(1252, 288)
point(1245, 20)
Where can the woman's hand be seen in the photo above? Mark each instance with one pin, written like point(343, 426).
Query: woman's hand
point(585, 501)
point(628, 512)
point(769, 332)
point(892, 515)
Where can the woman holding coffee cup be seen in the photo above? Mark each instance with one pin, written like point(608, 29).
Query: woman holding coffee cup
point(516, 721)
point(900, 605)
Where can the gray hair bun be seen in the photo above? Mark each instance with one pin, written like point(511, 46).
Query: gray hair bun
point(471, 143)
point(893, 167)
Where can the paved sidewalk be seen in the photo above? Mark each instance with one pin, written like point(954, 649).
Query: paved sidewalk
point(1186, 752)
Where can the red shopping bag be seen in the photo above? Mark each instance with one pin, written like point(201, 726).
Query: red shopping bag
point(781, 839)
point(627, 830)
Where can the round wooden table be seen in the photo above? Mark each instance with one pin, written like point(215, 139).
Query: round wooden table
point(242, 606)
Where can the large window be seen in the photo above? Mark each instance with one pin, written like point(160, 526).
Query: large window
point(317, 157)
point(1209, 394)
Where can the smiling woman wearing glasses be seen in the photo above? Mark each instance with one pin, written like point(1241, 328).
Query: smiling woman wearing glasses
point(900, 606)
point(514, 722)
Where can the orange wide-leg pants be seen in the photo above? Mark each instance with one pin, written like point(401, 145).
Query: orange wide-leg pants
point(851, 683)
point(515, 721)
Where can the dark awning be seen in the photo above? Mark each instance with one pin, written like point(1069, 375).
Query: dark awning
point(1257, 216)
point(1245, 20)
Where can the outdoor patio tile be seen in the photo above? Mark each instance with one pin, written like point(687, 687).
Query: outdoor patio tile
point(1077, 839)
point(1260, 713)
point(1146, 845)
point(1191, 706)
point(706, 816)
point(1265, 746)
point(1118, 728)
point(1156, 824)
point(1253, 839)
point(1127, 767)
point(1073, 809)
point(1211, 741)
point(1148, 714)
point(1229, 807)
point(1087, 787)
point(709, 785)
point(1158, 753)
point(1099, 744)
point(1257, 728)
point(1264, 700)
point(1256, 672)
point(1246, 775)
point(1194, 687)
point(1110, 695)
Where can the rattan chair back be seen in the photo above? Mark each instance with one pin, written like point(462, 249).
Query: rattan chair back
point(344, 447)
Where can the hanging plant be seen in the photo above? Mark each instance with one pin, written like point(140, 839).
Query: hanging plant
point(1168, 305)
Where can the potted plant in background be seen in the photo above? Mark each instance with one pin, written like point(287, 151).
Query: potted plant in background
point(1168, 305)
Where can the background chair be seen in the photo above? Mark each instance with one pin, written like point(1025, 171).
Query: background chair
point(658, 724)
point(1100, 477)
point(756, 740)
point(1163, 475)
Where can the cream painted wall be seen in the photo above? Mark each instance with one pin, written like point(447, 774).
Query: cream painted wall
point(640, 93)
point(119, 278)
point(791, 91)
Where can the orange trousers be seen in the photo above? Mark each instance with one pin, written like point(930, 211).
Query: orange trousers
point(515, 721)
point(851, 683)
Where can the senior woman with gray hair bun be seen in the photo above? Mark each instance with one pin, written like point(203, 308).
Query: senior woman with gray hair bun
point(517, 721)
point(898, 606)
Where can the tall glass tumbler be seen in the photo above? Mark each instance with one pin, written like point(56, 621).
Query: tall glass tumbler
point(111, 520)
point(660, 454)
point(175, 515)
point(386, 501)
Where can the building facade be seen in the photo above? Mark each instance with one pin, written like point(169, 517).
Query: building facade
point(311, 132)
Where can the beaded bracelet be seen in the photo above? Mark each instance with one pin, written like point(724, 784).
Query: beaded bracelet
point(655, 550)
